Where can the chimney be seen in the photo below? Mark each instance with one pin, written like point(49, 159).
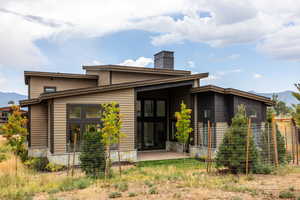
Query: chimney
point(164, 60)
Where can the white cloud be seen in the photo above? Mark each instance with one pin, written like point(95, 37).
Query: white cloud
point(257, 76)
point(191, 64)
point(272, 24)
point(140, 62)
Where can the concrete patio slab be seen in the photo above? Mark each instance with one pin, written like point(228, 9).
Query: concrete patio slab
point(160, 155)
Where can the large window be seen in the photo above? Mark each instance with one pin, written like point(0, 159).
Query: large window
point(81, 118)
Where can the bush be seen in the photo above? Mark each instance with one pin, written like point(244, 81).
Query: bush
point(232, 151)
point(286, 195)
point(38, 164)
point(92, 155)
point(73, 184)
point(122, 187)
point(132, 194)
point(263, 169)
point(52, 167)
point(153, 190)
point(114, 195)
point(2, 157)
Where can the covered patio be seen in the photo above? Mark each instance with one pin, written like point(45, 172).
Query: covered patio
point(159, 155)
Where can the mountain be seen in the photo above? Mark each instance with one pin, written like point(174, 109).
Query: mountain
point(5, 97)
point(285, 96)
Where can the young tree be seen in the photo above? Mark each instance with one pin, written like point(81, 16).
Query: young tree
point(111, 132)
point(15, 131)
point(296, 114)
point(280, 107)
point(92, 155)
point(232, 151)
point(183, 125)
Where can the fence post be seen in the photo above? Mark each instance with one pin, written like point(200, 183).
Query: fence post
point(74, 151)
point(247, 145)
point(69, 158)
point(208, 158)
point(274, 141)
point(285, 135)
point(297, 145)
point(269, 147)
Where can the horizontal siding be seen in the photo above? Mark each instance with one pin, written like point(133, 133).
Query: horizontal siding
point(37, 84)
point(125, 99)
point(39, 125)
point(122, 77)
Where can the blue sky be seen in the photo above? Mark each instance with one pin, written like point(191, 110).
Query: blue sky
point(256, 48)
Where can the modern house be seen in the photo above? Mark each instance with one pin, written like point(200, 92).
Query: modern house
point(5, 112)
point(62, 104)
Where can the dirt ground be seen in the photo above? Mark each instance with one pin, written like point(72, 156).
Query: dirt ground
point(234, 188)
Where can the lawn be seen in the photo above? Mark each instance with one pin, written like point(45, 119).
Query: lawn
point(169, 179)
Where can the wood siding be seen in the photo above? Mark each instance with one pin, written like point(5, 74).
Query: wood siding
point(123, 77)
point(37, 84)
point(125, 98)
point(39, 126)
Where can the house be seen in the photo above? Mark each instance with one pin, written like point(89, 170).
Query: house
point(62, 104)
point(5, 112)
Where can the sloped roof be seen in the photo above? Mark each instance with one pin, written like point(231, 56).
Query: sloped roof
point(145, 70)
point(213, 88)
point(27, 74)
point(112, 87)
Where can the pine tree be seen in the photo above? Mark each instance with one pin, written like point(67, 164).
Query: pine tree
point(92, 155)
point(232, 152)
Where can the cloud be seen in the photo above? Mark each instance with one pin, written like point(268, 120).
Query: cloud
point(226, 72)
point(257, 76)
point(140, 62)
point(272, 25)
point(190, 64)
point(234, 56)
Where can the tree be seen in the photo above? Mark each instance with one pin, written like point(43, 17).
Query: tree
point(232, 151)
point(11, 102)
point(111, 132)
point(297, 94)
point(92, 155)
point(280, 107)
point(183, 125)
point(296, 114)
point(15, 131)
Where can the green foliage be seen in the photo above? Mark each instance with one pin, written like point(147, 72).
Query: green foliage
point(114, 195)
point(92, 155)
point(280, 107)
point(286, 195)
point(132, 194)
point(296, 115)
point(3, 157)
point(297, 94)
point(122, 187)
point(232, 151)
point(262, 168)
point(183, 124)
point(52, 167)
point(153, 190)
point(38, 164)
point(73, 184)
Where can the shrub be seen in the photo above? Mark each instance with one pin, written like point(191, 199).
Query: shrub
point(286, 195)
point(52, 167)
point(122, 187)
point(38, 164)
point(73, 184)
point(114, 195)
point(148, 183)
point(153, 190)
point(2, 157)
point(232, 151)
point(92, 155)
point(263, 169)
point(132, 194)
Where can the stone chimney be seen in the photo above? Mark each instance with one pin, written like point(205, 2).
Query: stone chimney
point(164, 60)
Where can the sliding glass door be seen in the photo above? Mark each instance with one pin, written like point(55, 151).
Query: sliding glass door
point(151, 124)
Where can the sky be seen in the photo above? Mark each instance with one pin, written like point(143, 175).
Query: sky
point(249, 45)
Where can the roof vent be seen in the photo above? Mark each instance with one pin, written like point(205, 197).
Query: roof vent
point(164, 60)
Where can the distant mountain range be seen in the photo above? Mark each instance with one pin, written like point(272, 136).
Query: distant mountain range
point(285, 96)
point(5, 97)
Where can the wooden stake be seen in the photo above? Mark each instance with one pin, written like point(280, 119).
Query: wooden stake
point(208, 158)
point(269, 146)
point(74, 151)
point(297, 145)
point(285, 135)
point(248, 145)
point(274, 141)
point(69, 157)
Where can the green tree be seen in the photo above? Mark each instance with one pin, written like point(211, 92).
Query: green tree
point(296, 114)
point(92, 155)
point(232, 151)
point(111, 132)
point(280, 107)
point(15, 131)
point(183, 125)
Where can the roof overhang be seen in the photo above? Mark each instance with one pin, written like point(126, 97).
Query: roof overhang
point(107, 88)
point(131, 69)
point(212, 88)
point(28, 74)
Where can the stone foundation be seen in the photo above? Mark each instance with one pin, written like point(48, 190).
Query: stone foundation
point(201, 151)
point(63, 159)
point(174, 146)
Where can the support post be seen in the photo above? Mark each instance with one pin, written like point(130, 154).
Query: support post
point(248, 145)
point(269, 146)
point(293, 145)
point(297, 145)
point(274, 141)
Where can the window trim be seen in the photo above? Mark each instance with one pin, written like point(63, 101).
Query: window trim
point(49, 87)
